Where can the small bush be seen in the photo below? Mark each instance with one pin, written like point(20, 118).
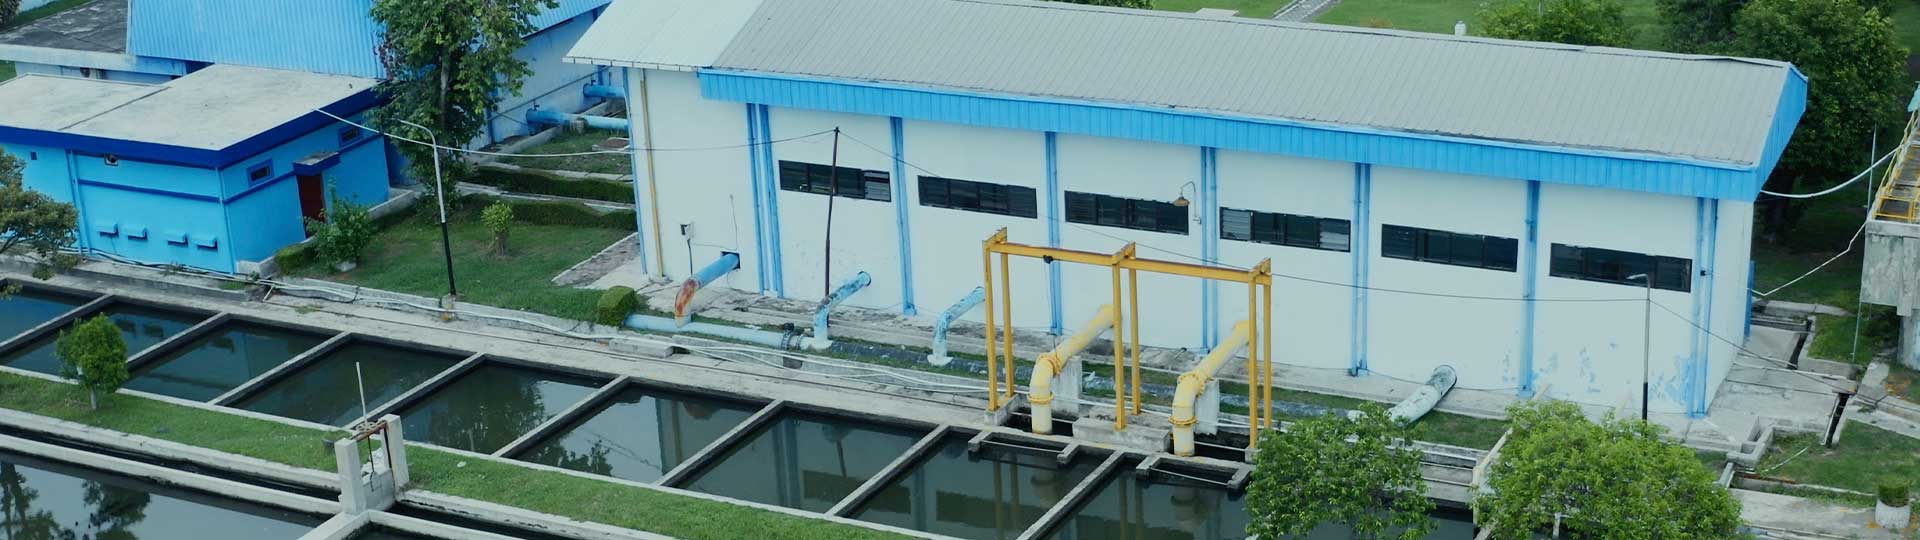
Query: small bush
point(614, 306)
point(1894, 494)
point(344, 235)
point(93, 355)
point(499, 220)
point(537, 183)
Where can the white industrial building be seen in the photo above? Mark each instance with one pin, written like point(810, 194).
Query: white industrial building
point(1426, 199)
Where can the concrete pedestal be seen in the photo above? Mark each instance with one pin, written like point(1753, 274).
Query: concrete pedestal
point(1909, 353)
point(1144, 433)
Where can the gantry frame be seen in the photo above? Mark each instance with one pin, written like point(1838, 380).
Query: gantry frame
point(1126, 350)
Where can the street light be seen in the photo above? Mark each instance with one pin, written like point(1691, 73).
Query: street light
point(1646, 345)
point(440, 187)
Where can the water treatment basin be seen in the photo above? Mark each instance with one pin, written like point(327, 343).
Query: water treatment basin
point(804, 460)
point(326, 388)
point(50, 500)
point(221, 360)
point(996, 492)
point(140, 325)
point(29, 307)
point(640, 433)
point(490, 406)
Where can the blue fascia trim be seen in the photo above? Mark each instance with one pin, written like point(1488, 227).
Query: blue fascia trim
point(1362, 254)
point(639, 196)
point(1703, 294)
point(1530, 286)
point(1793, 103)
point(900, 209)
point(1054, 212)
point(763, 260)
point(193, 157)
point(1460, 155)
point(147, 190)
point(1209, 194)
point(771, 184)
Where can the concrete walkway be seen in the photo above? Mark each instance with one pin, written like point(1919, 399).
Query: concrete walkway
point(1787, 513)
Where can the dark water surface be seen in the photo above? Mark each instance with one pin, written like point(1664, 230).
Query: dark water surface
point(221, 360)
point(1166, 507)
point(56, 501)
point(140, 326)
point(804, 460)
point(993, 494)
point(28, 308)
point(490, 406)
point(326, 390)
point(640, 434)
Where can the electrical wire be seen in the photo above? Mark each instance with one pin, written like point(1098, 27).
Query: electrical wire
point(1784, 365)
point(626, 151)
point(1850, 181)
point(1850, 244)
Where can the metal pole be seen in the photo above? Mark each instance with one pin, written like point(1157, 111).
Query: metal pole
point(440, 187)
point(1646, 346)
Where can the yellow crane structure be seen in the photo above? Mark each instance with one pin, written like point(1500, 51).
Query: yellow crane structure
point(1124, 322)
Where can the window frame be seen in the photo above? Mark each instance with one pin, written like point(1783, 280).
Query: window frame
point(1498, 253)
point(348, 135)
point(1275, 228)
point(260, 172)
point(1126, 213)
point(1013, 200)
point(818, 179)
point(1666, 273)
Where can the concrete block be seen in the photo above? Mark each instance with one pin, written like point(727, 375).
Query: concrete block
point(1143, 433)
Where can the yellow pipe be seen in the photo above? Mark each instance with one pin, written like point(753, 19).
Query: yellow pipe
point(993, 351)
point(1052, 362)
point(1194, 381)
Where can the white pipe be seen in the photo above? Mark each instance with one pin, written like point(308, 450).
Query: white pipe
point(1423, 400)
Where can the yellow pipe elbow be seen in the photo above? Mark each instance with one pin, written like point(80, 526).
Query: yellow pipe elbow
point(1050, 364)
point(1194, 381)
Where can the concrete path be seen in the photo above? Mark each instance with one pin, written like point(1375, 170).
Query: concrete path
point(1786, 513)
point(1304, 10)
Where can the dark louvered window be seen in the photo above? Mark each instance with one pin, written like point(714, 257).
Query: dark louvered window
point(1452, 248)
point(1285, 229)
point(981, 197)
point(1610, 266)
point(823, 179)
point(1156, 216)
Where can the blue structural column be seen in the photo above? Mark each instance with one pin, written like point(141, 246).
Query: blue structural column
point(1209, 193)
point(1055, 211)
point(900, 207)
point(634, 160)
point(770, 185)
point(763, 260)
point(1707, 238)
point(1362, 247)
point(1530, 286)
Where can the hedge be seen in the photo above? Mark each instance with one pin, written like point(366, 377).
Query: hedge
point(544, 184)
point(570, 214)
point(614, 305)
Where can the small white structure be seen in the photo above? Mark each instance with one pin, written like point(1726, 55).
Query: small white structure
point(1426, 199)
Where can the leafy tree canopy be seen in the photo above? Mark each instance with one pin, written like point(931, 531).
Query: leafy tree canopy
point(1311, 475)
point(33, 223)
point(450, 61)
point(1574, 22)
point(94, 355)
point(1615, 479)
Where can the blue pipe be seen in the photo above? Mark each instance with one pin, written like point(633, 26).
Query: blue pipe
point(682, 303)
point(953, 313)
point(604, 91)
point(650, 323)
point(822, 338)
point(538, 116)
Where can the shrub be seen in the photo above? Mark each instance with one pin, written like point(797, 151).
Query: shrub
point(344, 235)
point(1894, 494)
point(614, 305)
point(533, 182)
point(499, 219)
point(1311, 474)
point(94, 355)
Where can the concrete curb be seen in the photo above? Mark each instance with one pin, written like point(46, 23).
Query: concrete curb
point(143, 445)
point(171, 477)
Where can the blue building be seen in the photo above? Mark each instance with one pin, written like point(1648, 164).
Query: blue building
point(209, 170)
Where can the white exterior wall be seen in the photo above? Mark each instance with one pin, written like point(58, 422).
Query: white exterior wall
point(1137, 170)
point(947, 260)
point(553, 85)
point(865, 232)
point(1734, 252)
point(1312, 322)
point(712, 190)
point(1410, 335)
point(1591, 351)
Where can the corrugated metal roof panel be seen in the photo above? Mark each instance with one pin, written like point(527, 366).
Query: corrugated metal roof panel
point(1709, 108)
point(673, 34)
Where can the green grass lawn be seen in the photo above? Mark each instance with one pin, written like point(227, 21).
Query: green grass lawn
point(407, 258)
point(1257, 9)
point(565, 143)
point(1440, 15)
point(271, 441)
point(616, 504)
point(42, 12)
point(6, 71)
point(1833, 337)
point(1865, 456)
point(1906, 24)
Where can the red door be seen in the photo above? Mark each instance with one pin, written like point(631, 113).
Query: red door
point(313, 197)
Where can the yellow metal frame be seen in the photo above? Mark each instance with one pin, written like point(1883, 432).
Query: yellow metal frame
point(1886, 193)
point(1126, 350)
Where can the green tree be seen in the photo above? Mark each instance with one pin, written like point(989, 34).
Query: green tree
point(1574, 22)
point(33, 223)
point(1698, 26)
point(1857, 82)
point(450, 62)
point(1614, 479)
point(499, 219)
point(345, 234)
point(8, 9)
point(1333, 469)
point(94, 355)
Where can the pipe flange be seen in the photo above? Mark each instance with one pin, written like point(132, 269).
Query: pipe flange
point(1037, 400)
point(1177, 422)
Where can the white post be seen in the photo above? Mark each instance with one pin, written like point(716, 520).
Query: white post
point(397, 453)
point(353, 490)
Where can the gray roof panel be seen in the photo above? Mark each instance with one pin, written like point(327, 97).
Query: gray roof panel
point(1699, 107)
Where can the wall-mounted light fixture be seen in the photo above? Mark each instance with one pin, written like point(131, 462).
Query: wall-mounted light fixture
point(1182, 201)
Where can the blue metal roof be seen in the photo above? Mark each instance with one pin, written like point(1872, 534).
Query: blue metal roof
point(332, 36)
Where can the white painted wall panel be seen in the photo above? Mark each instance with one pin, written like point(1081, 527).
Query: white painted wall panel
point(1591, 351)
point(1312, 322)
point(710, 189)
point(1734, 250)
point(946, 243)
point(864, 232)
point(1410, 335)
point(1139, 170)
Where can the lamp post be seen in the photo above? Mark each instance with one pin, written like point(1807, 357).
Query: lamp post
point(1646, 345)
point(440, 188)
